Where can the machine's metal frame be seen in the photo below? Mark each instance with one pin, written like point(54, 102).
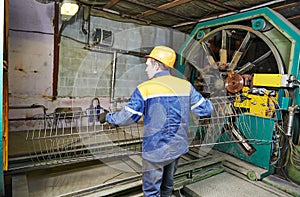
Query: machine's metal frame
point(289, 52)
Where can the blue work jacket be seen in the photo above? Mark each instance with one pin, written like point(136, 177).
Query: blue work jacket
point(165, 102)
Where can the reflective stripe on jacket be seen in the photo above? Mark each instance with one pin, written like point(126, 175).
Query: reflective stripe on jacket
point(166, 102)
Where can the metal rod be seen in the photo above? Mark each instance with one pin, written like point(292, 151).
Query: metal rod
point(113, 76)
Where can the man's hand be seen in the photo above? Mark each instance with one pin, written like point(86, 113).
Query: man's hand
point(102, 116)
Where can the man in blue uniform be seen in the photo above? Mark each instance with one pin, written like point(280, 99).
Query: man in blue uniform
point(165, 102)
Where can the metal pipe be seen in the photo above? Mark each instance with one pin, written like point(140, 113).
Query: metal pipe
point(29, 107)
point(56, 50)
point(89, 25)
point(113, 77)
point(292, 110)
point(33, 106)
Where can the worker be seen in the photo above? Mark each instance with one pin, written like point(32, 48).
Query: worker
point(165, 102)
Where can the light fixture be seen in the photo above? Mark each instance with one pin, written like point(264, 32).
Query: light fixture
point(69, 8)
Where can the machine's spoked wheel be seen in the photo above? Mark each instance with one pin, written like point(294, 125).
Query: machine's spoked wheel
point(234, 53)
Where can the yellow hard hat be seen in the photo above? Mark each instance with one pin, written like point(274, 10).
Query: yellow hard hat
point(164, 54)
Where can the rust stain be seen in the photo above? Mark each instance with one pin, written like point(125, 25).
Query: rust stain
point(30, 123)
point(28, 115)
point(46, 96)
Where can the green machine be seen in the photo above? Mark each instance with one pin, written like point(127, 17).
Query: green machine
point(248, 63)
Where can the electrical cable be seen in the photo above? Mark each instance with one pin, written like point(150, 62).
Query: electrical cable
point(79, 41)
point(30, 31)
point(46, 33)
point(294, 155)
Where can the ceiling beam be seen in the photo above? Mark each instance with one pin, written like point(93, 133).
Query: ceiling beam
point(222, 5)
point(295, 4)
point(164, 7)
point(111, 3)
point(294, 17)
point(215, 16)
point(160, 10)
point(115, 13)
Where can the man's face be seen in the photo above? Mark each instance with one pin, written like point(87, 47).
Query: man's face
point(151, 68)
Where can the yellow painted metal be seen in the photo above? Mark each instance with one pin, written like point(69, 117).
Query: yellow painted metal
point(5, 119)
point(256, 104)
point(267, 80)
point(5, 101)
point(223, 56)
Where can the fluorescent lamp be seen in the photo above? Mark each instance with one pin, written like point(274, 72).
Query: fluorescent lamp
point(69, 8)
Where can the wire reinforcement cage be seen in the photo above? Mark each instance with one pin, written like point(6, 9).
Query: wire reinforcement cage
point(75, 136)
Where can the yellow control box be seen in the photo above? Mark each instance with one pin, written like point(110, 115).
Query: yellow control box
point(267, 80)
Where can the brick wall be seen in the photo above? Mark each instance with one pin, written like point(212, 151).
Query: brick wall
point(84, 73)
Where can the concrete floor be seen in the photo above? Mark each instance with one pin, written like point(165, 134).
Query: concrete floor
point(72, 179)
point(227, 184)
point(69, 180)
point(92, 176)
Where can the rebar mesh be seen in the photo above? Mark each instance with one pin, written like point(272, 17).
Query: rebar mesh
point(74, 136)
point(240, 124)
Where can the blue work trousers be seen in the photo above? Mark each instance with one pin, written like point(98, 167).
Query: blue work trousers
point(158, 178)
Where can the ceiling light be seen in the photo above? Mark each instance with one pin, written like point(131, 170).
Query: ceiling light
point(69, 7)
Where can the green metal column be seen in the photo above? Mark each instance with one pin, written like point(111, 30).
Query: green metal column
point(1, 99)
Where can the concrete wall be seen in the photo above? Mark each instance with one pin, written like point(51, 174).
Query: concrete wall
point(83, 74)
point(30, 48)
